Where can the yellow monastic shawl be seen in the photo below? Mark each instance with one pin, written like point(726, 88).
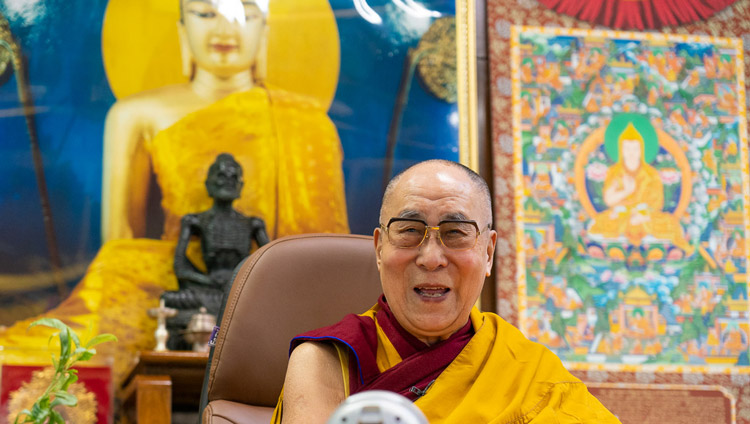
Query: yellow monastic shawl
point(499, 377)
point(502, 377)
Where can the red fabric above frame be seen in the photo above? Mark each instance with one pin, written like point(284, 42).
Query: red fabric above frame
point(638, 14)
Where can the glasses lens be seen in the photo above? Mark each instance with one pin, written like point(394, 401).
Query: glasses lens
point(406, 233)
point(458, 235)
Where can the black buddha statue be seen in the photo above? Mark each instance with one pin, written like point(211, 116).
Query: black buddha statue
point(226, 238)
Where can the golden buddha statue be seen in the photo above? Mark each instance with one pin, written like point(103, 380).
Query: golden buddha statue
point(634, 195)
point(286, 144)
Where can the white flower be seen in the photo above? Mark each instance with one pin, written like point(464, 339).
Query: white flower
point(645, 377)
point(740, 379)
point(669, 176)
point(501, 186)
point(597, 376)
point(503, 247)
point(504, 86)
point(596, 171)
point(506, 143)
point(529, 4)
point(503, 28)
point(504, 308)
point(692, 378)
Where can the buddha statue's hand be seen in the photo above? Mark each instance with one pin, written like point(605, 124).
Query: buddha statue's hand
point(628, 185)
point(640, 215)
point(190, 277)
point(220, 278)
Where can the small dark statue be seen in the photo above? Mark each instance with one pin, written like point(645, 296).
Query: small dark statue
point(226, 239)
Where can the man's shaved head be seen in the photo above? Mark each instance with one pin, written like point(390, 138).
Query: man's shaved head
point(476, 179)
point(430, 287)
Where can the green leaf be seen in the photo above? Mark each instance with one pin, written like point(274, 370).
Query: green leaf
point(75, 338)
point(86, 355)
point(27, 415)
point(49, 322)
point(39, 414)
point(40, 404)
point(64, 398)
point(72, 378)
point(56, 418)
point(101, 338)
point(64, 345)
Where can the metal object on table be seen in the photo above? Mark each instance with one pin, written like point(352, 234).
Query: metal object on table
point(199, 330)
point(161, 334)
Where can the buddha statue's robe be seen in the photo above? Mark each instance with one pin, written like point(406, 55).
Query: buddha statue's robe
point(291, 158)
point(647, 201)
point(487, 372)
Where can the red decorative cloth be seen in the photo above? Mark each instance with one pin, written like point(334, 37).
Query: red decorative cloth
point(638, 14)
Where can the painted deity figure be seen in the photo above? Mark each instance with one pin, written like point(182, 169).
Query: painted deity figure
point(634, 196)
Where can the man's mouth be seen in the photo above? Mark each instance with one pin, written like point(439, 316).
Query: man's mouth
point(431, 292)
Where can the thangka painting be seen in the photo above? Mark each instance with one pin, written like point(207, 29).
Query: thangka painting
point(631, 170)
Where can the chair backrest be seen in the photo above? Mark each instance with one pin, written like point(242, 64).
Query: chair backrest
point(289, 286)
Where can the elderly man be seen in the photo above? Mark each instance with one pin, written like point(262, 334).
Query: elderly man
point(424, 338)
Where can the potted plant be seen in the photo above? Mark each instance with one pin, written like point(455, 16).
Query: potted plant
point(72, 351)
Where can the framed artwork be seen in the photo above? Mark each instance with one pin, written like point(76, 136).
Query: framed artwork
point(392, 81)
point(631, 173)
point(21, 385)
point(108, 132)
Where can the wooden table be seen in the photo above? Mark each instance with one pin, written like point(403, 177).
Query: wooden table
point(161, 381)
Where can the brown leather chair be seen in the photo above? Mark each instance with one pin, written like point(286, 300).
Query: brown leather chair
point(289, 286)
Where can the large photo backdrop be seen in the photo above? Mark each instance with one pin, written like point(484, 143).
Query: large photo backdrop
point(381, 75)
point(130, 102)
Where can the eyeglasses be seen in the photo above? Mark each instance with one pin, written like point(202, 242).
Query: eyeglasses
point(407, 233)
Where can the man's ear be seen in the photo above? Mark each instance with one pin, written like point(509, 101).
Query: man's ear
point(491, 251)
point(377, 237)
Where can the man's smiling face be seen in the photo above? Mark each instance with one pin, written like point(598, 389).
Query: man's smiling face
point(431, 289)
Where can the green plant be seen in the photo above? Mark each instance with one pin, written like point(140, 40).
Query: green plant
point(71, 352)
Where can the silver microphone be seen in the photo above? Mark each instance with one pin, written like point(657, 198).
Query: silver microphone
point(377, 407)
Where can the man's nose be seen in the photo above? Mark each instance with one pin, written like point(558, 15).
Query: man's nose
point(432, 252)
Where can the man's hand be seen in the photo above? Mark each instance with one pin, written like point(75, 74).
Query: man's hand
point(314, 384)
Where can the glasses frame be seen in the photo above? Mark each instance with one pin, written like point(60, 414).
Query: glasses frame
point(427, 229)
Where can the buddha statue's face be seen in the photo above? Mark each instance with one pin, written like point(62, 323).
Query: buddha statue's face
point(224, 36)
point(631, 154)
point(224, 181)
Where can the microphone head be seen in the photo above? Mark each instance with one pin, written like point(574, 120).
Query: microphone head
point(377, 407)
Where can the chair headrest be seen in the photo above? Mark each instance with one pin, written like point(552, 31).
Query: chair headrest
point(292, 285)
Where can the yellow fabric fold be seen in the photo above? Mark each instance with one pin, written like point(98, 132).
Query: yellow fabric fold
point(502, 377)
